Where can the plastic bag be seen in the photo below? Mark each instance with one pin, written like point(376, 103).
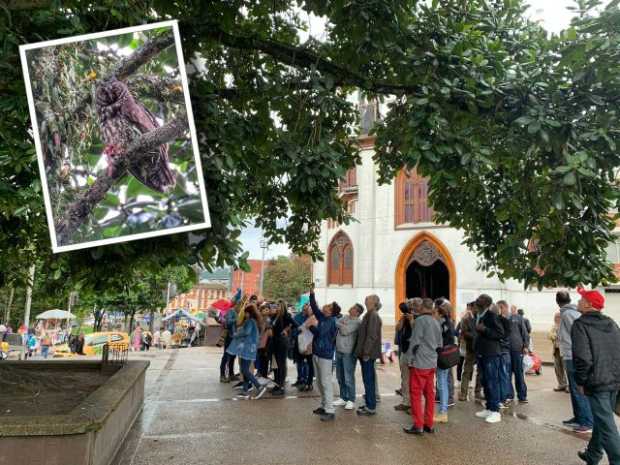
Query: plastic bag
point(528, 363)
point(304, 341)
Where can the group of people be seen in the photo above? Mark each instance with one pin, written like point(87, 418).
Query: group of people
point(490, 339)
point(317, 339)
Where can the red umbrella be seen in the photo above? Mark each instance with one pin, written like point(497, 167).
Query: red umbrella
point(222, 304)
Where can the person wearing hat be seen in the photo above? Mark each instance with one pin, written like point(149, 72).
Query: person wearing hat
point(581, 421)
point(596, 356)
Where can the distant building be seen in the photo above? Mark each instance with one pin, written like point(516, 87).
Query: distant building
point(200, 297)
point(249, 281)
point(217, 276)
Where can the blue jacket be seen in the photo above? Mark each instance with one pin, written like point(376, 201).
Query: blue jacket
point(324, 342)
point(245, 341)
point(230, 322)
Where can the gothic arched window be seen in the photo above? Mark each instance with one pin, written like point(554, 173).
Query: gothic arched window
point(340, 260)
point(412, 205)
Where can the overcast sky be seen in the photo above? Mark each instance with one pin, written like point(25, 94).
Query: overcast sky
point(551, 13)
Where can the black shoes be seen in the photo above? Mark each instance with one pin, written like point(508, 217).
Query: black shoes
point(304, 387)
point(277, 392)
point(429, 430)
point(328, 417)
point(319, 411)
point(583, 455)
point(413, 430)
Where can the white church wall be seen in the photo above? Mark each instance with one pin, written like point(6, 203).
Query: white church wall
point(377, 246)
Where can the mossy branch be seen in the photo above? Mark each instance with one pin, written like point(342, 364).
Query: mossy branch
point(78, 211)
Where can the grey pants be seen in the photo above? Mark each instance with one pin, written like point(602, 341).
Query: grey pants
point(404, 380)
point(323, 371)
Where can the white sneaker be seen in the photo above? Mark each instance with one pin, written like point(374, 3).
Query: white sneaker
point(495, 417)
point(483, 413)
point(349, 405)
point(339, 402)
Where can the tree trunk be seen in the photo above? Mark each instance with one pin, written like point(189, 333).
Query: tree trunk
point(131, 322)
point(7, 311)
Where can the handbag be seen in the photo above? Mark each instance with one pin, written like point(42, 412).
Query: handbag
point(448, 356)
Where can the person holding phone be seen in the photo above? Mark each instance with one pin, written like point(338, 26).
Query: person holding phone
point(322, 324)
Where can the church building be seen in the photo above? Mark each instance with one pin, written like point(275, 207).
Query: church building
point(395, 250)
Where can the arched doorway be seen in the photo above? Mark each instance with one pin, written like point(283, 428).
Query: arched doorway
point(425, 269)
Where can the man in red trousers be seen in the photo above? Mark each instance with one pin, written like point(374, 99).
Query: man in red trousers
point(422, 354)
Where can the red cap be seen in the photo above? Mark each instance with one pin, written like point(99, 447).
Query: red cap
point(594, 297)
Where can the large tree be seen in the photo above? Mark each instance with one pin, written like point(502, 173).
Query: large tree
point(517, 129)
point(287, 278)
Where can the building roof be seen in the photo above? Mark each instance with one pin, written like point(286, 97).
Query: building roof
point(219, 274)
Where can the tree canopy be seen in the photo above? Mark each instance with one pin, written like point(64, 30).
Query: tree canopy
point(287, 278)
point(516, 128)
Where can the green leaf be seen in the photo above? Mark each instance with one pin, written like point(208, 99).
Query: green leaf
point(569, 179)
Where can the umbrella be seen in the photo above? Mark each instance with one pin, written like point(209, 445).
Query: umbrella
point(222, 304)
point(55, 314)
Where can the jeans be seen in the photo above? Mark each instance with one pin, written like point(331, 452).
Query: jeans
point(248, 377)
point(490, 367)
point(369, 378)
point(443, 388)
point(581, 407)
point(605, 433)
point(516, 363)
point(45, 350)
point(228, 361)
point(323, 370)
point(345, 372)
point(422, 383)
point(306, 366)
point(505, 381)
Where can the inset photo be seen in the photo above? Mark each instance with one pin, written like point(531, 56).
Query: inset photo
point(115, 136)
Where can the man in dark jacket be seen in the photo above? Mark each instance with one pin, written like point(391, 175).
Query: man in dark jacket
point(322, 324)
point(506, 393)
point(596, 355)
point(489, 333)
point(368, 350)
point(467, 334)
point(519, 339)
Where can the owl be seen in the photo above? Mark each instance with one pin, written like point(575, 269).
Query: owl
point(122, 119)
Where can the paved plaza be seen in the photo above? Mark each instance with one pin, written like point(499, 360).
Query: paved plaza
point(190, 418)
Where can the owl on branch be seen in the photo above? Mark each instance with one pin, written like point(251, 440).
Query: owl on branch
point(122, 119)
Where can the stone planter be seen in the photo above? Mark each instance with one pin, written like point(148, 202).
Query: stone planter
point(90, 434)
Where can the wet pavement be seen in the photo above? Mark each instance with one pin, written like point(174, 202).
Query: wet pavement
point(190, 418)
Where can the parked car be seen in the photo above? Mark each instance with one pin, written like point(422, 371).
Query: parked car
point(93, 343)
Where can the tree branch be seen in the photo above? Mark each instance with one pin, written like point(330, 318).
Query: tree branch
point(79, 210)
point(130, 65)
point(304, 58)
point(161, 89)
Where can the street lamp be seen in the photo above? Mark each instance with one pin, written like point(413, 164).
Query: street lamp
point(263, 245)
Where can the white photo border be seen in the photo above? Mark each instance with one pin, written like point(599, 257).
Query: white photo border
point(190, 119)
